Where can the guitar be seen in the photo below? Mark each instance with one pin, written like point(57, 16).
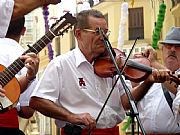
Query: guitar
point(7, 75)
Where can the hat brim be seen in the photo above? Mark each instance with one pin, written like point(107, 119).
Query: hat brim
point(174, 42)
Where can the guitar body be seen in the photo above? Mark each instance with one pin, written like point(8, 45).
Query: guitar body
point(12, 91)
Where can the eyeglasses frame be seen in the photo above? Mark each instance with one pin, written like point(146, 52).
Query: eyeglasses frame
point(97, 31)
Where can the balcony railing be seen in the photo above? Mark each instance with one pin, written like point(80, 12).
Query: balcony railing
point(175, 2)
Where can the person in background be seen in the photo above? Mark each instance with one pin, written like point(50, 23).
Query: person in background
point(12, 9)
point(10, 50)
point(72, 93)
point(176, 106)
point(176, 101)
point(155, 103)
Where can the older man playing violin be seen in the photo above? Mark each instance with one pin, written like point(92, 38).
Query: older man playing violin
point(71, 92)
point(155, 104)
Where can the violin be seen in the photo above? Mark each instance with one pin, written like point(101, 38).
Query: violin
point(136, 69)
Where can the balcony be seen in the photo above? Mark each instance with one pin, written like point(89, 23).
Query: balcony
point(175, 7)
point(175, 2)
point(175, 11)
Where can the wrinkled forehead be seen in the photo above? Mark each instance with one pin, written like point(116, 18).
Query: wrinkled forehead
point(95, 22)
point(170, 44)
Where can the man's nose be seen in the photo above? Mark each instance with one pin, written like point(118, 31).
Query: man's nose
point(173, 47)
point(101, 37)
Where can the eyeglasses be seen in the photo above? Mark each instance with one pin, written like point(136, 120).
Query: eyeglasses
point(107, 33)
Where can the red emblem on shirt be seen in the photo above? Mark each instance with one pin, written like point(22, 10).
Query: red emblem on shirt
point(81, 82)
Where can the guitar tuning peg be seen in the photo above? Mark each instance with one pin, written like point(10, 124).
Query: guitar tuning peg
point(54, 24)
point(59, 33)
point(61, 18)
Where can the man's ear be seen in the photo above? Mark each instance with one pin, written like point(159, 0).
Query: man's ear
point(77, 33)
point(23, 31)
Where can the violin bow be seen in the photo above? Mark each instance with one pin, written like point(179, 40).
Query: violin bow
point(123, 67)
point(106, 41)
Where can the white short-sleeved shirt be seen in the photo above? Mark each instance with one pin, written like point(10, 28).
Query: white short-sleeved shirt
point(10, 50)
point(176, 102)
point(69, 81)
point(155, 113)
point(6, 10)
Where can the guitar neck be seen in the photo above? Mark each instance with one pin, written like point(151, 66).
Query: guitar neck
point(62, 25)
point(10, 72)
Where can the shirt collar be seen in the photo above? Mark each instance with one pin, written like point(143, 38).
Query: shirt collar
point(79, 56)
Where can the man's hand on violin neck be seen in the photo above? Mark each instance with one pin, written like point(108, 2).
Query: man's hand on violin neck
point(159, 75)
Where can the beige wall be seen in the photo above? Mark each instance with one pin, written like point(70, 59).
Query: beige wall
point(176, 13)
point(169, 19)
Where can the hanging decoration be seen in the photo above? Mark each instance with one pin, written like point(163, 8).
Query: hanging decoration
point(122, 28)
point(126, 124)
point(45, 14)
point(83, 5)
point(132, 3)
point(122, 24)
point(159, 25)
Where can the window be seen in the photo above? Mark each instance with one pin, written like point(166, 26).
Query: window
point(29, 31)
point(136, 23)
point(124, 50)
point(142, 49)
point(136, 49)
point(57, 45)
point(106, 17)
point(72, 44)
